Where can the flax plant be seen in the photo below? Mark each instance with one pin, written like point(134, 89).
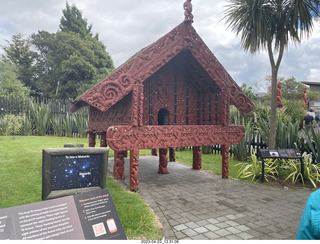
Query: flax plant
point(311, 171)
point(241, 151)
point(81, 121)
point(253, 169)
point(68, 124)
point(57, 124)
point(41, 117)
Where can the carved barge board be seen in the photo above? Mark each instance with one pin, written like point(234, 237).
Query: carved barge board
point(121, 138)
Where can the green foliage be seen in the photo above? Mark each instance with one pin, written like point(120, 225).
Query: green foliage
point(57, 124)
point(70, 61)
point(72, 21)
point(269, 25)
point(68, 124)
point(311, 171)
point(41, 117)
point(253, 169)
point(295, 110)
point(241, 151)
point(26, 128)
point(9, 83)
point(11, 124)
point(18, 52)
point(291, 89)
point(81, 122)
point(287, 134)
point(248, 91)
point(312, 138)
point(21, 163)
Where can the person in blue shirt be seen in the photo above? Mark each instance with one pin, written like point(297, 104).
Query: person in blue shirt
point(309, 227)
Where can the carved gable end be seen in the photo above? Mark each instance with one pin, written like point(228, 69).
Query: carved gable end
point(151, 59)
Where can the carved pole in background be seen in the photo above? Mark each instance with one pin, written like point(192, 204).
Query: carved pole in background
point(163, 161)
point(197, 161)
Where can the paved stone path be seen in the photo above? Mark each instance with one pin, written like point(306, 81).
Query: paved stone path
point(197, 205)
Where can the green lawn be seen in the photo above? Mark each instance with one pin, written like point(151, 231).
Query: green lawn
point(210, 162)
point(21, 182)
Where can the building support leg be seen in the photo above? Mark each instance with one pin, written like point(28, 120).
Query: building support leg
point(172, 154)
point(134, 168)
point(154, 152)
point(225, 160)
point(92, 139)
point(103, 139)
point(118, 167)
point(163, 161)
point(197, 160)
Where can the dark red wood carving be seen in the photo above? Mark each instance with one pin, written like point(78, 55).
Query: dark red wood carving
point(122, 138)
point(225, 160)
point(118, 168)
point(184, 37)
point(197, 158)
point(188, 16)
point(174, 93)
point(163, 161)
point(134, 168)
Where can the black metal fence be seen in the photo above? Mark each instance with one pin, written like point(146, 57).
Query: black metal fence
point(22, 105)
point(57, 107)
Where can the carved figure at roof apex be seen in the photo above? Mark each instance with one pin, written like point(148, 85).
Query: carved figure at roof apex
point(188, 16)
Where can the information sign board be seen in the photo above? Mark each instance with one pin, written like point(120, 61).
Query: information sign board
point(280, 154)
point(90, 215)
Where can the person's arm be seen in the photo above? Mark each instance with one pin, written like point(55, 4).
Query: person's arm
point(309, 227)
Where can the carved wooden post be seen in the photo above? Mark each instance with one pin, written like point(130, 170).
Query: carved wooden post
point(103, 139)
point(225, 160)
point(154, 152)
point(92, 139)
point(226, 147)
point(134, 168)
point(163, 161)
point(137, 105)
point(115, 172)
point(118, 168)
point(197, 161)
point(172, 154)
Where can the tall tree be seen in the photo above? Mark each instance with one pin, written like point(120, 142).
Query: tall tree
point(72, 21)
point(19, 53)
point(71, 60)
point(268, 25)
point(9, 83)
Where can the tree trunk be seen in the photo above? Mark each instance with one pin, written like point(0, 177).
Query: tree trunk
point(274, 77)
point(273, 112)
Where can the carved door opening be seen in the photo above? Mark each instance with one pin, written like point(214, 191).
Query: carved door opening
point(163, 117)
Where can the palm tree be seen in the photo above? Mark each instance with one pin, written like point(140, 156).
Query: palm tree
point(268, 25)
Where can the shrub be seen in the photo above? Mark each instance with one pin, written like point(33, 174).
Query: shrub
point(241, 150)
point(253, 169)
point(26, 128)
point(68, 124)
point(57, 124)
point(311, 171)
point(81, 122)
point(11, 124)
point(41, 117)
point(287, 134)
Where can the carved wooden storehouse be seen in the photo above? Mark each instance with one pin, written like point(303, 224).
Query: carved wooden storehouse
point(174, 93)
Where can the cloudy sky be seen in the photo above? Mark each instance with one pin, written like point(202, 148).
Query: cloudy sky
point(127, 26)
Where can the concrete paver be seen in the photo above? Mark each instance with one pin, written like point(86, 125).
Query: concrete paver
point(198, 205)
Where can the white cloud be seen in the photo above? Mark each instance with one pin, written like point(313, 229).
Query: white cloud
point(127, 26)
